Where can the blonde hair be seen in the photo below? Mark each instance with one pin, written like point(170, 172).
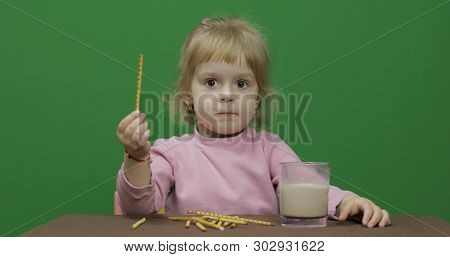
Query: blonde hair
point(222, 39)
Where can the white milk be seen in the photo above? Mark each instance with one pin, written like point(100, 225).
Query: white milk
point(304, 200)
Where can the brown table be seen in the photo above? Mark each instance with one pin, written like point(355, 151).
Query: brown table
point(158, 226)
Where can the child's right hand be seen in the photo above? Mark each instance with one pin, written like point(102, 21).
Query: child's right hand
point(133, 134)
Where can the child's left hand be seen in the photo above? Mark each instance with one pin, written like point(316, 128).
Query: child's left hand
point(355, 206)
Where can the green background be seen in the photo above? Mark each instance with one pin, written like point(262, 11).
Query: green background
point(379, 112)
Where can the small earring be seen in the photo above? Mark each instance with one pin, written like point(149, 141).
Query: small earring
point(190, 107)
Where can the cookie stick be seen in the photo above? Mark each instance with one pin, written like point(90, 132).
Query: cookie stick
point(137, 224)
point(221, 219)
point(208, 224)
point(139, 81)
point(230, 217)
point(200, 226)
point(179, 218)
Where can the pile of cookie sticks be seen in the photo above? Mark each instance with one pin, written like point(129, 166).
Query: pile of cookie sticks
point(215, 220)
point(210, 220)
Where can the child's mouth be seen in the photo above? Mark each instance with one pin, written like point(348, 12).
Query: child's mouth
point(226, 113)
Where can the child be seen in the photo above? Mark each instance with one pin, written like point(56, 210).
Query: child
point(224, 166)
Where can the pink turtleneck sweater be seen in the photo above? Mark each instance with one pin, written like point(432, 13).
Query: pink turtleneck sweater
point(234, 175)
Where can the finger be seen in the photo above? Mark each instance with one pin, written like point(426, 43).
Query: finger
point(129, 131)
point(367, 209)
point(126, 121)
point(345, 212)
point(144, 138)
point(385, 220)
point(146, 135)
point(143, 142)
point(139, 132)
point(376, 217)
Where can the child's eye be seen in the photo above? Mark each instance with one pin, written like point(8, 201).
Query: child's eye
point(210, 82)
point(242, 83)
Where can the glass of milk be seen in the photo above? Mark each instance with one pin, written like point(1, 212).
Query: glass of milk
point(303, 194)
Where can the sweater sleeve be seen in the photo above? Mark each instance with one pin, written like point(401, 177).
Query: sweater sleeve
point(150, 198)
point(277, 151)
point(335, 196)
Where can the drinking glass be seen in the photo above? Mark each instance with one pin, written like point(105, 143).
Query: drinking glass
point(303, 193)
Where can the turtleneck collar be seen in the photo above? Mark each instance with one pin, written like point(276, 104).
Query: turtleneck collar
point(219, 142)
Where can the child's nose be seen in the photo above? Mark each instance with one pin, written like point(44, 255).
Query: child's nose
point(227, 94)
point(227, 97)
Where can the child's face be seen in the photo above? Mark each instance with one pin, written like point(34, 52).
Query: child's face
point(221, 87)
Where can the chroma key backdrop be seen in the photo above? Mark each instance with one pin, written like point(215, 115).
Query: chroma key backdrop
point(363, 85)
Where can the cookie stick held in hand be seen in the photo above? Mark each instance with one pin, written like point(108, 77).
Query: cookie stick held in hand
point(139, 81)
